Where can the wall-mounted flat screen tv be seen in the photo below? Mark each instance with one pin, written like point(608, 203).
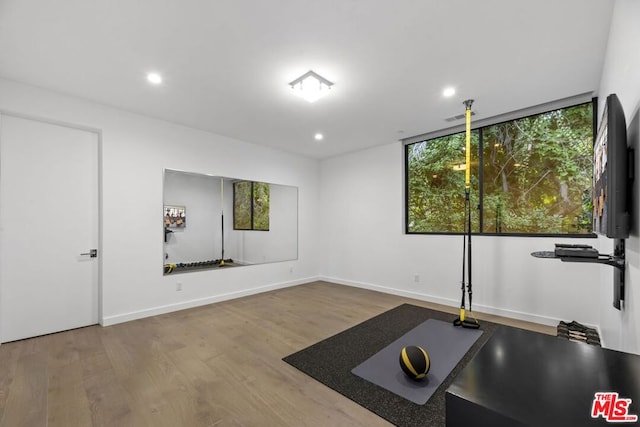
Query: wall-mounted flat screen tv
point(611, 173)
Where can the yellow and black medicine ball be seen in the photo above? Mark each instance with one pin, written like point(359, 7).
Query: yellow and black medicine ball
point(415, 362)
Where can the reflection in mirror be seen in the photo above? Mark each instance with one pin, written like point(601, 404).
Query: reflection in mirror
point(215, 222)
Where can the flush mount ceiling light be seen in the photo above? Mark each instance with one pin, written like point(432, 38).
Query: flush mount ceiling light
point(311, 86)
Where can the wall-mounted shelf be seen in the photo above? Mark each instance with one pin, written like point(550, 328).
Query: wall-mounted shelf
point(585, 253)
point(612, 260)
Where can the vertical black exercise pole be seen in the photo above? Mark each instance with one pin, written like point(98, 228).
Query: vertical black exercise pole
point(468, 202)
point(464, 264)
point(462, 320)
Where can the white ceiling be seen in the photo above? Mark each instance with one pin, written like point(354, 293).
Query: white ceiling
point(227, 63)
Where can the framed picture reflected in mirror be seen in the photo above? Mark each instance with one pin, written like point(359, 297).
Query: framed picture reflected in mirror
point(175, 216)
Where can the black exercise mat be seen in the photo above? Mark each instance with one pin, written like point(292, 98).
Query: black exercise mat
point(330, 361)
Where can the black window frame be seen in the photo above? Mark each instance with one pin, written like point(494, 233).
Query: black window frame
point(251, 207)
point(479, 128)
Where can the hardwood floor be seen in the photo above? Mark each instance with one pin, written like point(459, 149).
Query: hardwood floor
point(216, 365)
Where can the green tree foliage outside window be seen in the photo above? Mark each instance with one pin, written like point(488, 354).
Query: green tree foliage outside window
point(435, 176)
point(536, 177)
point(251, 205)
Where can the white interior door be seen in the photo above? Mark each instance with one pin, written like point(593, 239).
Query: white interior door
point(48, 218)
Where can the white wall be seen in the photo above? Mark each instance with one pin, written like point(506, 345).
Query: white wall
point(621, 75)
point(365, 245)
point(279, 243)
point(135, 150)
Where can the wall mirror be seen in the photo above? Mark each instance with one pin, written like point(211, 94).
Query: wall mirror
point(213, 222)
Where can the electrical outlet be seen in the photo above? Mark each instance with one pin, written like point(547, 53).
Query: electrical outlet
point(178, 286)
point(416, 278)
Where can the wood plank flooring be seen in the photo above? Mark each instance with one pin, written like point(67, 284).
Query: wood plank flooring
point(216, 365)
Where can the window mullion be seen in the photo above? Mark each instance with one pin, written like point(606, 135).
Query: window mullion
point(480, 182)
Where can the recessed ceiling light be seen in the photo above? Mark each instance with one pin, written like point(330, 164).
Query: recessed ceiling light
point(154, 78)
point(318, 137)
point(448, 92)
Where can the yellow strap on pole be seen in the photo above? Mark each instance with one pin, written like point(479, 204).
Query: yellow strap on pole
point(467, 173)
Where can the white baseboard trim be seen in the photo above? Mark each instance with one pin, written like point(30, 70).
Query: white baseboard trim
point(512, 314)
point(154, 311)
point(602, 343)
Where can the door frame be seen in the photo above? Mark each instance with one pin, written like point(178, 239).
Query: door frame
point(98, 133)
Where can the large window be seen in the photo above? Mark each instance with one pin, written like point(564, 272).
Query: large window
point(530, 176)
